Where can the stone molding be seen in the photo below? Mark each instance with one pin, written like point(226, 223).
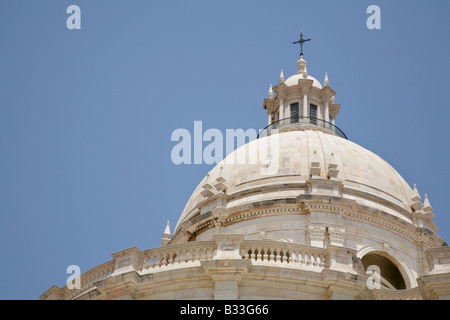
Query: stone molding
point(304, 204)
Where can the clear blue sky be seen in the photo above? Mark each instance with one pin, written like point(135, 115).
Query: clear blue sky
point(86, 115)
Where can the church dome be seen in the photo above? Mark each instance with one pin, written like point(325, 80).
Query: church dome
point(361, 174)
point(293, 80)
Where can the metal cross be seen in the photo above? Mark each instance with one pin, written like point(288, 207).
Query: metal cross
point(301, 43)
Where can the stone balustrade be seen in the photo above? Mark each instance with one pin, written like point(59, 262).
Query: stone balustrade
point(89, 278)
point(133, 262)
point(285, 253)
point(182, 254)
point(223, 251)
point(190, 254)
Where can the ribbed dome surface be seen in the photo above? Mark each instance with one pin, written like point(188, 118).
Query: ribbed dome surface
point(361, 171)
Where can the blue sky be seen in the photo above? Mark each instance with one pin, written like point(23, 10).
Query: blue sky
point(86, 115)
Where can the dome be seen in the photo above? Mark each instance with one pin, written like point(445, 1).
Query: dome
point(293, 80)
point(365, 177)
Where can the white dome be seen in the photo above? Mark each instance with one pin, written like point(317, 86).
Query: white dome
point(293, 80)
point(366, 178)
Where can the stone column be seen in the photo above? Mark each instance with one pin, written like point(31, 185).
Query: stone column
point(281, 109)
point(305, 102)
point(319, 114)
point(333, 123)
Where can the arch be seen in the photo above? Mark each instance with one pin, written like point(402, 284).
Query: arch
point(390, 274)
point(392, 256)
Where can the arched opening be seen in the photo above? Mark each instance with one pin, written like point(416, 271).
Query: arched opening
point(391, 277)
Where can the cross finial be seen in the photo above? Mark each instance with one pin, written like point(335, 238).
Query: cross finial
point(301, 41)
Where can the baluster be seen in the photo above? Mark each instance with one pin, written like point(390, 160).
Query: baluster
point(259, 255)
point(296, 257)
point(158, 260)
point(322, 261)
point(265, 255)
point(272, 255)
point(278, 256)
point(164, 259)
point(151, 261)
point(170, 260)
point(284, 256)
point(291, 256)
point(305, 258)
point(177, 257)
point(252, 256)
point(310, 258)
point(183, 256)
point(315, 260)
